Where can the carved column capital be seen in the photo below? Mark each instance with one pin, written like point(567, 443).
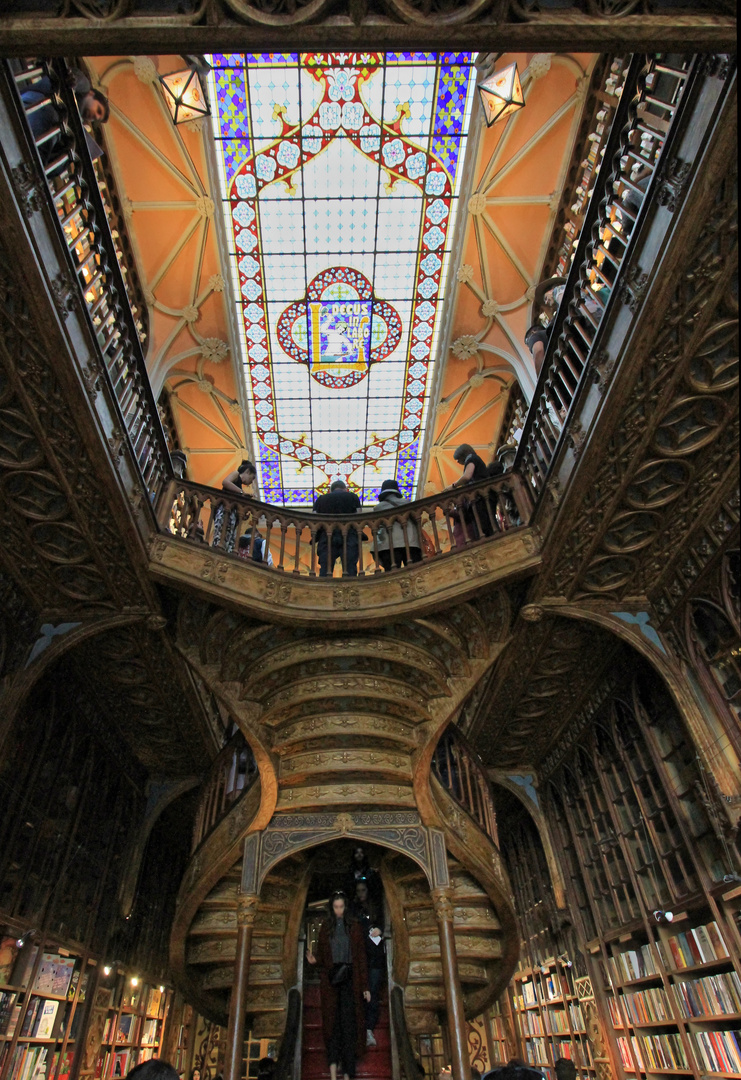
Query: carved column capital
point(246, 909)
point(442, 900)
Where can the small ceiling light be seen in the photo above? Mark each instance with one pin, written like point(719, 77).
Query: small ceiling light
point(664, 916)
point(162, 989)
point(134, 981)
point(21, 941)
point(501, 94)
point(185, 92)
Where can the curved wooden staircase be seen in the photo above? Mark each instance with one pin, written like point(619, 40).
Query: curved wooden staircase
point(337, 725)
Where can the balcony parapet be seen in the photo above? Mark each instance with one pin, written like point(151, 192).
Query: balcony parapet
point(63, 184)
point(648, 163)
point(490, 541)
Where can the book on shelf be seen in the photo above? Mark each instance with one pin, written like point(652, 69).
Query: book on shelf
point(154, 1002)
point(712, 995)
point(624, 1051)
point(65, 1065)
point(615, 1014)
point(101, 1065)
point(7, 1001)
point(691, 948)
point(15, 1016)
point(32, 1013)
point(120, 1063)
point(149, 1032)
point(45, 1023)
point(28, 1062)
point(528, 995)
point(720, 1051)
point(576, 1016)
point(8, 953)
point(54, 974)
point(124, 1034)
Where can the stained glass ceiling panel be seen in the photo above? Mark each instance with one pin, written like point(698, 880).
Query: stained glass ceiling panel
point(340, 175)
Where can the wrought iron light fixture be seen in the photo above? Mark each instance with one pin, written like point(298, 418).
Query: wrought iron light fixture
point(501, 94)
point(185, 91)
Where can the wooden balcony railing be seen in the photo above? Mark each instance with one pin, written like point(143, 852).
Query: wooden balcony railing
point(233, 771)
point(439, 524)
point(72, 185)
point(637, 147)
point(460, 771)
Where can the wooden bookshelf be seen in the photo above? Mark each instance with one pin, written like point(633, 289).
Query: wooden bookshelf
point(674, 992)
point(43, 989)
point(550, 1018)
point(131, 1015)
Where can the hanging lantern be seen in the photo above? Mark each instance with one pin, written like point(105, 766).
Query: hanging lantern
point(185, 95)
point(501, 94)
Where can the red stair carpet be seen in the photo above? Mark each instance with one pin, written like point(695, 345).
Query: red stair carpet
point(376, 1061)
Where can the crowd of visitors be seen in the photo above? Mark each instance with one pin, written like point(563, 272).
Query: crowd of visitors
point(399, 543)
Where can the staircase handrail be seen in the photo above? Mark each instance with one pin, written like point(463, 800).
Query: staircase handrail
point(572, 352)
point(289, 1040)
point(460, 771)
point(486, 509)
point(223, 786)
point(407, 1057)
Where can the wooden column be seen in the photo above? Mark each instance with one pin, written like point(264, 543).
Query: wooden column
point(442, 898)
point(246, 911)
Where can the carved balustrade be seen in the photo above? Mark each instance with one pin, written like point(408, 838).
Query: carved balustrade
point(460, 770)
point(431, 527)
point(231, 774)
point(62, 158)
point(653, 93)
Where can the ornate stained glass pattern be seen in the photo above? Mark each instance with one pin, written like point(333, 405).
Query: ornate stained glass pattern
point(339, 177)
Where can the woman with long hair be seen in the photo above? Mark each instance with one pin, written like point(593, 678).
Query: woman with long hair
point(343, 973)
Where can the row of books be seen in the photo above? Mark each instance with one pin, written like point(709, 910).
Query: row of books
point(37, 1062)
point(531, 1023)
point(615, 1014)
point(536, 1052)
point(713, 995)
point(528, 995)
point(720, 1051)
point(652, 1052)
point(660, 1051)
point(647, 1006)
point(634, 964)
point(56, 974)
point(692, 947)
point(556, 1022)
point(43, 1018)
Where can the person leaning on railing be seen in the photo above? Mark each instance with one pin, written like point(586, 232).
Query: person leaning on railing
point(393, 547)
point(235, 482)
point(92, 105)
point(547, 295)
point(473, 469)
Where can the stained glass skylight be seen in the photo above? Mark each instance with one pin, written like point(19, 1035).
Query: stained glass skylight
point(340, 175)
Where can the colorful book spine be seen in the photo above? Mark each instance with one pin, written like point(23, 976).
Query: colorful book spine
point(692, 948)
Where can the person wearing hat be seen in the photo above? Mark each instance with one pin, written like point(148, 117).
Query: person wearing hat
point(547, 295)
point(390, 543)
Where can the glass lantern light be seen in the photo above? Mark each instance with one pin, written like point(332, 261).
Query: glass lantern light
point(501, 94)
point(185, 95)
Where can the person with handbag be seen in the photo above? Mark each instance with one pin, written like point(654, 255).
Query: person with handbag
point(343, 974)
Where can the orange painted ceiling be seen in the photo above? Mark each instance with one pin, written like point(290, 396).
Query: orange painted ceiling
point(163, 181)
point(518, 170)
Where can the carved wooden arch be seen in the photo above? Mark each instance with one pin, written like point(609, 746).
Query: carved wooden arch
point(399, 830)
point(721, 762)
point(21, 683)
point(540, 822)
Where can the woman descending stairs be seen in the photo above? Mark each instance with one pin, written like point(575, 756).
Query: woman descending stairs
point(376, 1061)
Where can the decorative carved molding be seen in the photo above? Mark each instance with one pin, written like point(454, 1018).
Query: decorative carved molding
point(672, 183)
point(27, 188)
point(247, 905)
point(64, 291)
point(442, 900)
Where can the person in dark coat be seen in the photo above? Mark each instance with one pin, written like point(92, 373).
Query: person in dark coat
point(343, 974)
point(375, 949)
point(329, 550)
point(361, 870)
